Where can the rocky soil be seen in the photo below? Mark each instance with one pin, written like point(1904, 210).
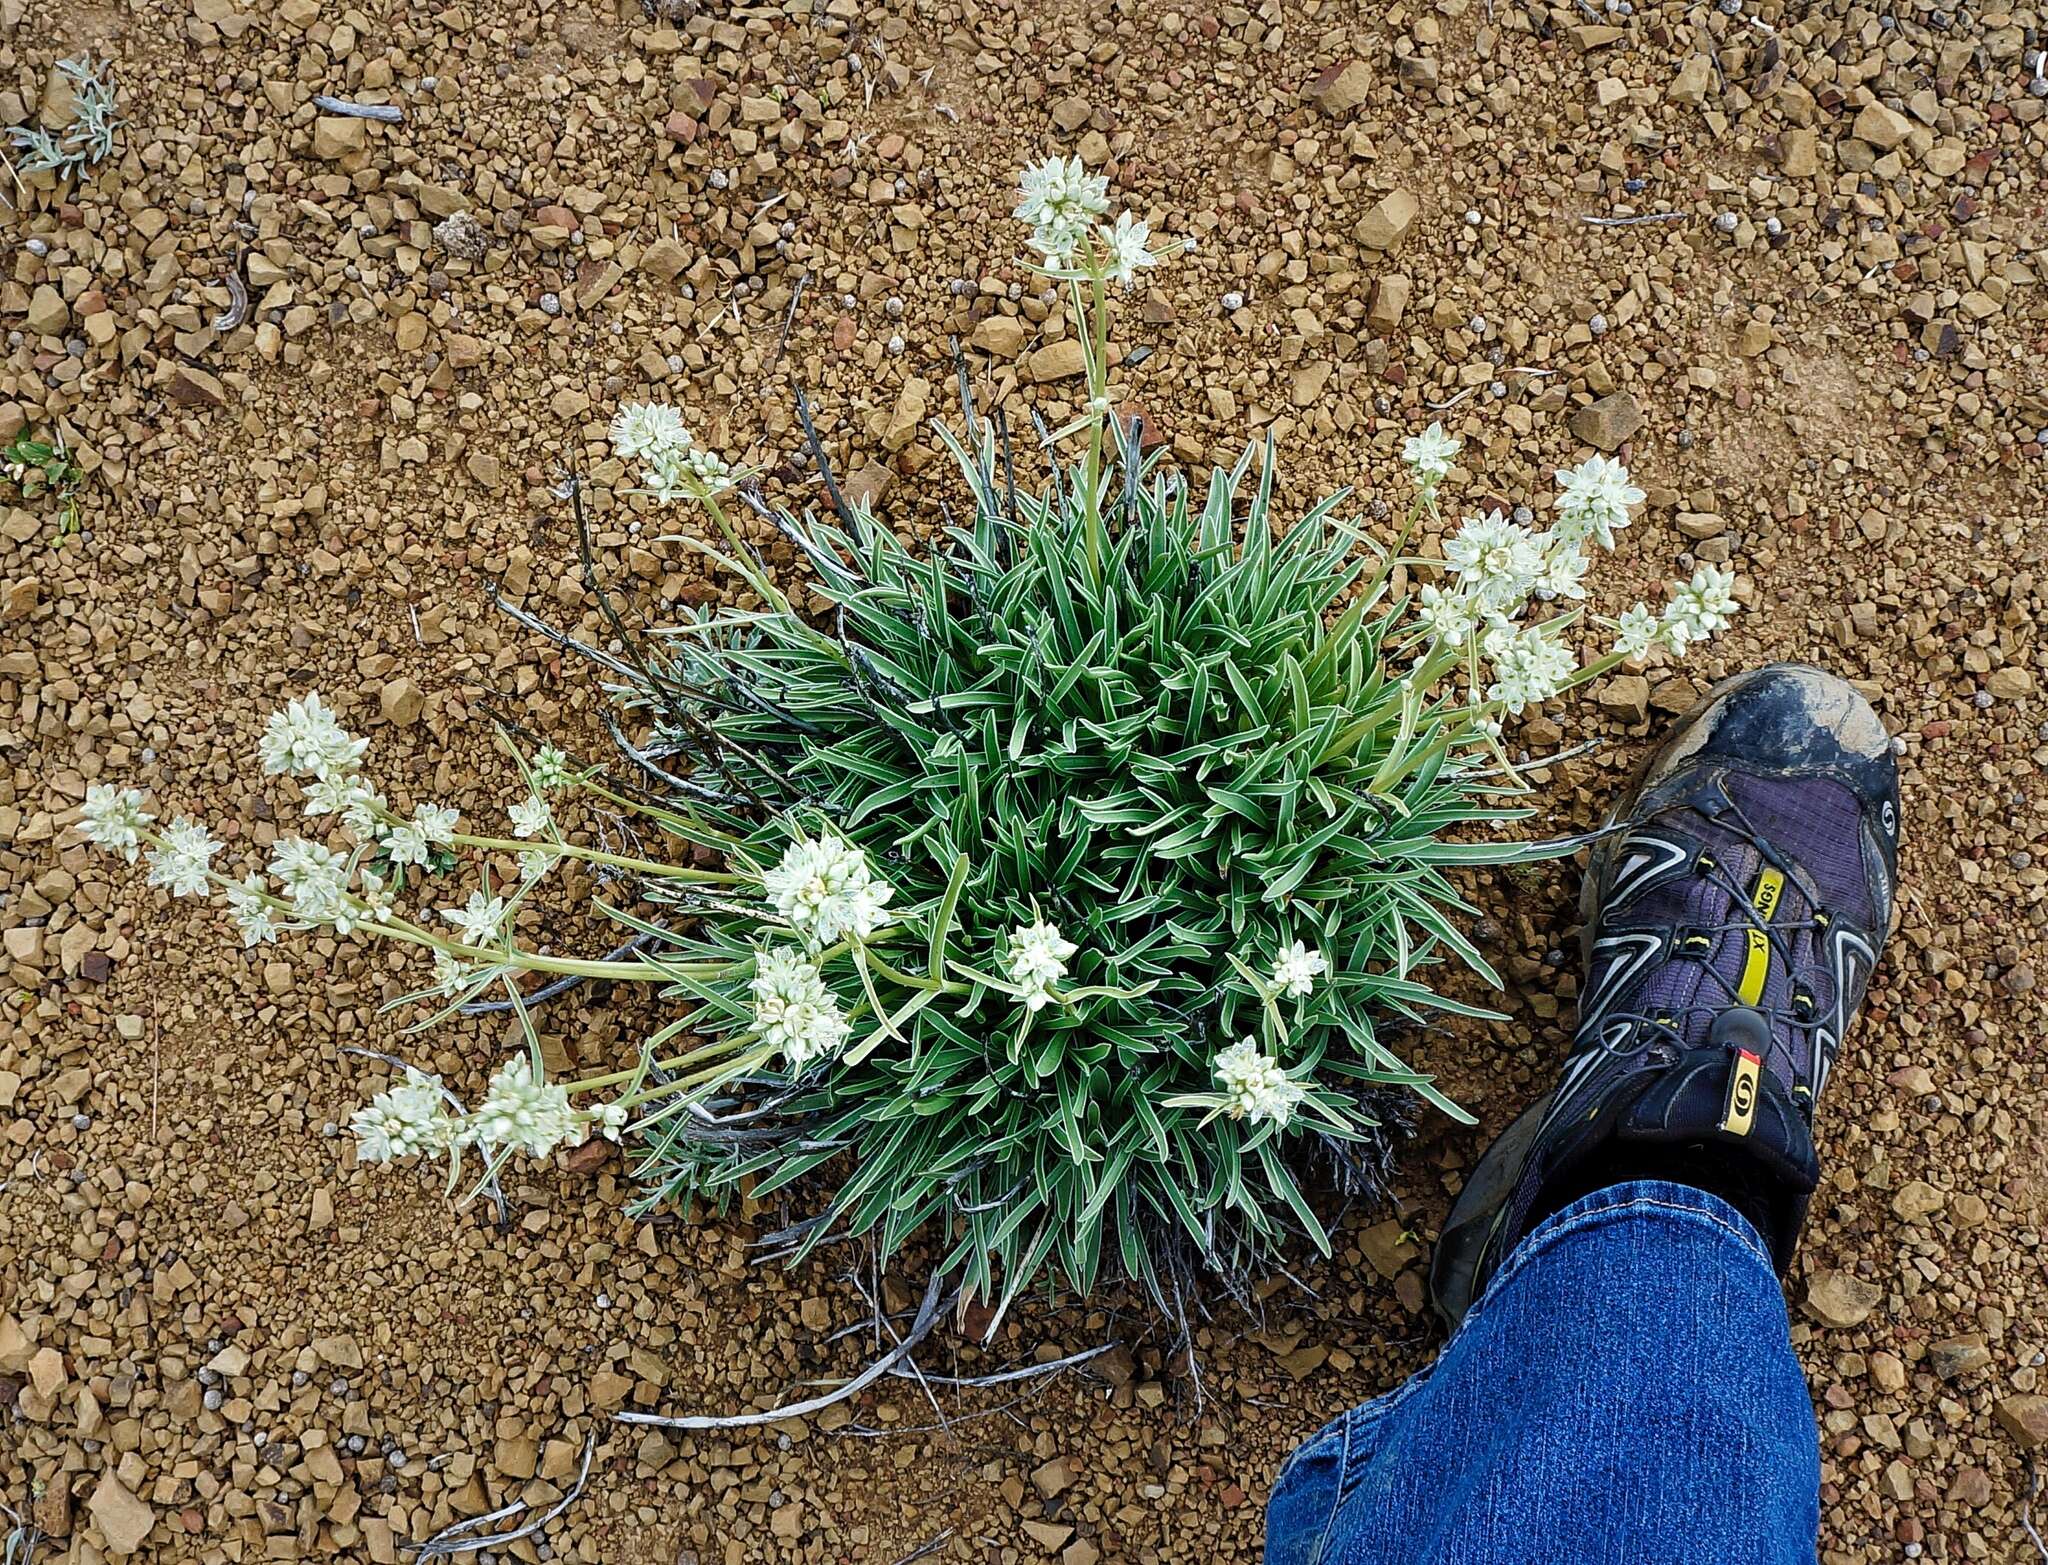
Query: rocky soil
point(1787, 260)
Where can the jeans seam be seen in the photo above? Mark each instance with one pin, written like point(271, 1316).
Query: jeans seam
point(1341, 1488)
point(1542, 1238)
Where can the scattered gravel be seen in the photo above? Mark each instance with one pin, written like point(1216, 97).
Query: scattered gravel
point(1810, 317)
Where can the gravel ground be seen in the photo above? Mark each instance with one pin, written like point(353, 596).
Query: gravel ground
point(1786, 260)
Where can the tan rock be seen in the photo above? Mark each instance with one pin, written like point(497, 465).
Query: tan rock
point(48, 314)
point(1608, 423)
point(1057, 360)
point(1883, 128)
point(1305, 385)
point(1001, 335)
point(46, 1371)
point(123, 1520)
point(664, 260)
point(342, 1352)
point(1799, 152)
point(1051, 1537)
point(1387, 224)
point(900, 426)
point(51, 1513)
point(1418, 70)
point(866, 484)
point(195, 388)
point(1916, 1199)
point(1627, 697)
point(1389, 302)
point(339, 135)
point(1840, 1300)
point(411, 332)
point(2025, 1418)
point(1341, 87)
point(20, 599)
point(1052, 1479)
point(1070, 114)
point(1956, 1356)
point(16, 1346)
point(1388, 1246)
point(1690, 85)
point(401, 702)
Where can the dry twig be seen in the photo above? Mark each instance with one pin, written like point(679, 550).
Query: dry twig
point(449, 1540)
point(1630, 222)
point(382, 113)
point(927, 1315)
point(2027, 1507)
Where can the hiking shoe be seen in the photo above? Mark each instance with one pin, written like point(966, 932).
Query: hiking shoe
point(1732, 915)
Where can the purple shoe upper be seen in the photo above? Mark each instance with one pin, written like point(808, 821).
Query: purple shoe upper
point(1732, 917)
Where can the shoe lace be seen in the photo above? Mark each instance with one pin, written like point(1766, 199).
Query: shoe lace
point(1803, 1013)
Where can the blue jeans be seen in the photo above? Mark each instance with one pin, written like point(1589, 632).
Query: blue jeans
point(1625, 1393)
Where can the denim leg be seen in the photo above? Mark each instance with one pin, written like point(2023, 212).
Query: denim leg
point(1625, 1393)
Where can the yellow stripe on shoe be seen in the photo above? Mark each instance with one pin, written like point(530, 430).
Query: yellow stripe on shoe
point(1764, 898)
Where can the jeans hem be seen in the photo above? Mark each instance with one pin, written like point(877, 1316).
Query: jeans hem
point(1602, 1206)
point(1616, 1201)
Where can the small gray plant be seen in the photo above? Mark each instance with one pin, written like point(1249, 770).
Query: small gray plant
point(89, 138)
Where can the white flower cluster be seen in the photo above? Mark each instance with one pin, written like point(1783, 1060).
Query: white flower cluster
point(824, 887)
point(1497, 566)
point(180, 865)
point(1061, 201)
point(303, 739)
point(524, 1113)
point(550, 770)
point(306, 739)
point(455, 979)
point(1429, 455)
point(1296, 969)
point(1254, 1085)
point(520, 1113)
point(1530, 664)
point(408, 1120)
point(1593, 500)
point(413, 842)
point(1699, 608)
point(315, 879)
point(531, 817)
point(354, 800)
point(114, 819)
point(673, 466)
point(478, 922)
point(793, 1010)
point(1037, 961)
point(251, 911)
